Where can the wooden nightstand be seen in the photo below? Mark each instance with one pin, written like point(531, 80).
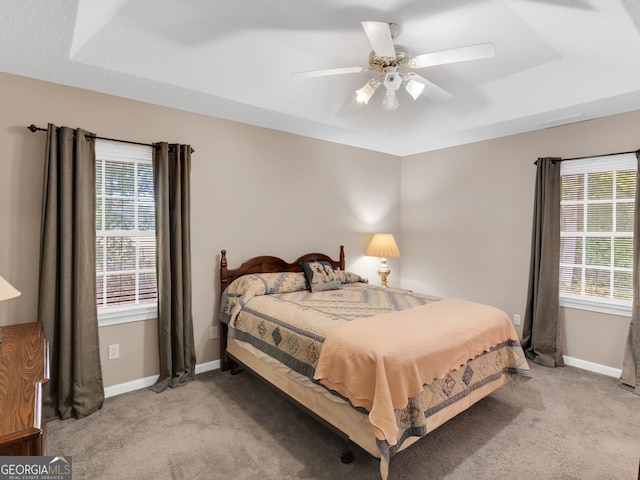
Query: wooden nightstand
point(24, 369)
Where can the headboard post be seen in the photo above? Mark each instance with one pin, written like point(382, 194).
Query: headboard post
point(224, 361)
point(341, 257)
point(223, 270)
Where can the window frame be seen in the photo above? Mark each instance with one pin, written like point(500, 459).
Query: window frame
point(107, 150)
point(610, 163)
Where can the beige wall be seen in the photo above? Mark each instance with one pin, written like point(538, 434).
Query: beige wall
point(462, 219)
point(466, 223)
point(254, 191)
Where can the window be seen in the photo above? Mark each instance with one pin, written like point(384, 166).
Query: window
point(125, 233)
point(596, 233)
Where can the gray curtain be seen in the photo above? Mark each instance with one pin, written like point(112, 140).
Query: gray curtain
point(171, 176)
point(541, 336)
point(67, 295)
point(631, 366)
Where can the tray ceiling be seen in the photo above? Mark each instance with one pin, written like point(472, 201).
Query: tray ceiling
point(557, 62)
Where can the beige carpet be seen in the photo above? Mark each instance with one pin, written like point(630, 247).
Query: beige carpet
point(565, 423)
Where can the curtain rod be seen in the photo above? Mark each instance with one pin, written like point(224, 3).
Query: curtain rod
point(557, 160)
point(34, 129)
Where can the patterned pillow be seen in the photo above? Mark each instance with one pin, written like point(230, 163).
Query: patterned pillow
point(320, 276)
point(350, 277)
point(268, 283)
point(243, 289)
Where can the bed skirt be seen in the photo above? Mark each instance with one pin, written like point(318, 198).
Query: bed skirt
point(352, 423)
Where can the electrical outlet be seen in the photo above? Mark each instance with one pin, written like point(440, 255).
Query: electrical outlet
point(516, 319)
point(114, 351)
point(213, 332)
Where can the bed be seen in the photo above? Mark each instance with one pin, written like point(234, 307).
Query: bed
point(381, 367)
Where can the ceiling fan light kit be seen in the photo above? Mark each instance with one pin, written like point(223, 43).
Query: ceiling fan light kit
point(390, 60)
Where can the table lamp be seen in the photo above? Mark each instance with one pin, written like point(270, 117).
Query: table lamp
point(383, 245)
point(6, 292)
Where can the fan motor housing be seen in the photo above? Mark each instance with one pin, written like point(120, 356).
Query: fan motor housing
point(400, 60)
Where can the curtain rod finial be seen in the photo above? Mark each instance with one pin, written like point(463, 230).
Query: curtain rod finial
point(33, 128)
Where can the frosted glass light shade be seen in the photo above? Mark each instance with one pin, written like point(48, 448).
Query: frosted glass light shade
point(390, 101)
point(365, 93)
point(414, 88)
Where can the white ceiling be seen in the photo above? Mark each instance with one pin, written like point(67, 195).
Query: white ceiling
point(557, 61)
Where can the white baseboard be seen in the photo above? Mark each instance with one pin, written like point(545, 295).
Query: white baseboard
point(207, 367)
point(146, 382)
point(592, 367)
point(138, 384)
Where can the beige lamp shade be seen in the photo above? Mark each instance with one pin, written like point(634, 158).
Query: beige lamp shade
point(6, 290)
point(383, 245)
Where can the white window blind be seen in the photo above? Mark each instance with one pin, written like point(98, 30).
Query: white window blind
point(125, 233)
point(596, 233)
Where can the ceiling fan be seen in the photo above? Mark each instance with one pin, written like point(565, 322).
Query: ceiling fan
point(393, 61)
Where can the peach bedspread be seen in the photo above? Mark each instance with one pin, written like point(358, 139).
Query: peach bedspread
point(378, 363)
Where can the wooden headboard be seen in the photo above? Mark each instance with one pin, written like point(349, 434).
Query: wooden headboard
point(263, 264)
point(269, 264)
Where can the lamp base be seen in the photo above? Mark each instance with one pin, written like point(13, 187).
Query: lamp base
point(383, 271)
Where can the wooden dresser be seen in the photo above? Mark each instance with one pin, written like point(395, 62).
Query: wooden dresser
point(24, 369)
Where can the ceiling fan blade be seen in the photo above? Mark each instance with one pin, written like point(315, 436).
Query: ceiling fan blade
point(431, 90)
point(379, 36)
point(462, 54)
point(330, 71)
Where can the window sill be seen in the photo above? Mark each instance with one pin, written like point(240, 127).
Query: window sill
point(129, 314)
point(623, 310)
